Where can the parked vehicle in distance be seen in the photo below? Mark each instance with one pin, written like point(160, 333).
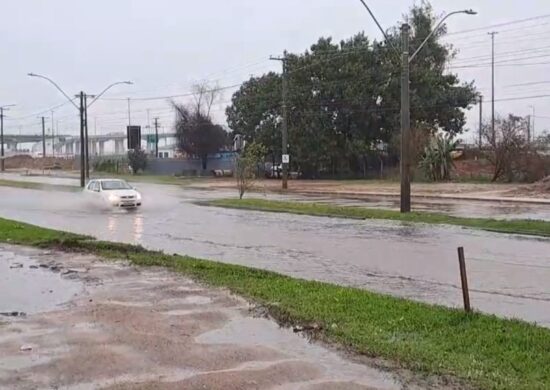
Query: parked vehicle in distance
point(113, 193)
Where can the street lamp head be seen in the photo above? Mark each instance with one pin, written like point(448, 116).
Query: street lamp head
point(470, 12)
point(31, 74)
point(128, 82)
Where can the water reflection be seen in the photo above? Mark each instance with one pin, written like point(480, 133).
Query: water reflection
point(126, 225)
point(112, 223)
point(138, 227)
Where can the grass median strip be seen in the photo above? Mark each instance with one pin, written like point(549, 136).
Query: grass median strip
point(38, 186)
point(516, 226)
point(151, 179)
point(482, 350)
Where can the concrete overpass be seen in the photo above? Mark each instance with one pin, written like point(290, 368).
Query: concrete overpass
point(70, 144)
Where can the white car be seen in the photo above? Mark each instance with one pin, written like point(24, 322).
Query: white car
point(114, 193)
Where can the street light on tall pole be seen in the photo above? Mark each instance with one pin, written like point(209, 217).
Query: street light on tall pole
point(80, 109)
point(406, 60)
point(83, 110)
point(88, 105)
point(2, 109)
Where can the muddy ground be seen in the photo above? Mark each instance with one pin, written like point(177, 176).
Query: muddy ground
point(124, 327)
point(358, 188)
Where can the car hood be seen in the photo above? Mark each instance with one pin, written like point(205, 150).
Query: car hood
point(121, 192)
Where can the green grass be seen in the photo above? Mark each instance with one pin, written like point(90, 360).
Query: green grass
point(481, 350)
point(151, 179)
point(38, 186)
point(519, 226)
point(172, 180)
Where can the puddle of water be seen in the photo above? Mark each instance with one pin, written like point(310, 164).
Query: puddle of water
point(197, 300)
point(23, 361)
point(188, 300)
point(263, 332)
point(31, 290)
point(179, 312)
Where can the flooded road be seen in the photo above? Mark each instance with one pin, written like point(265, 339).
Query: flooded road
point(508, 275)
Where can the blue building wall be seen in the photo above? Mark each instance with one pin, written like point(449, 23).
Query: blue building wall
point(191, 167)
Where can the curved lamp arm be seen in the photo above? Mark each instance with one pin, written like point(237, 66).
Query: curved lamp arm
point(467, 12)
point(56, 86)
point(106, 89)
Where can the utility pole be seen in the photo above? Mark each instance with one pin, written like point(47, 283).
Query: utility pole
point(86, 157)
point(82, 142)
point(493, 134)
point(157, 137)
point(405, 123)
point(129, 114)
point(480, 121)
point(43, 137)
point(2, 138)
point(2, 109)
point(533, 128)
point(285, 156)
point(528, 129)
point(53, 137)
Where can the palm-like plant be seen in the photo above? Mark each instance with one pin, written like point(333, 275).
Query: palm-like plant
point(437, 162)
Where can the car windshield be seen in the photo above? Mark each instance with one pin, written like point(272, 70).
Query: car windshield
point(107, 185)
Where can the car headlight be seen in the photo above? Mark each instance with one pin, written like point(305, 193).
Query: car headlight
point(113, 198)
point(138, 196)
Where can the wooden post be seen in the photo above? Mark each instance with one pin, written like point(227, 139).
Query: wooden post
point(464, 280)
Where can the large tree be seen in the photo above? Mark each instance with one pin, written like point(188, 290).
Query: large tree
point(344, 98)
point(195, 132)
point(197, 135)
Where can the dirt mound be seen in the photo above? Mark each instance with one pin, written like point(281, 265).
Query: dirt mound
point(472, 168)
point(29, 162)
point(542, 185)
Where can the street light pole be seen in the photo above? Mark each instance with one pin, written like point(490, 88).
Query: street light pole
point(405, 98)
point(83, 111)
point(405, 161)
point(405, 204)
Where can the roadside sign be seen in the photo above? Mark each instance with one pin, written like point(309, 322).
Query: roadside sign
point(286, 158)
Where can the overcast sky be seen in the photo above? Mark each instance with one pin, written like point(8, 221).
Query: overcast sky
point(164, 46)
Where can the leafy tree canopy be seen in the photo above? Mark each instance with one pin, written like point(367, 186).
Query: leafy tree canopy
point(344, 98)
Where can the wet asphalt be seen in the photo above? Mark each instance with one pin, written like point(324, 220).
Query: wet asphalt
point(509, 275)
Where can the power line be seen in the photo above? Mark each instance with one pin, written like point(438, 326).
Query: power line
point(503, 64)
point(187, 94)
point(526, 84)
point(504, 54)
point(493, 26)
point(40, 112)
